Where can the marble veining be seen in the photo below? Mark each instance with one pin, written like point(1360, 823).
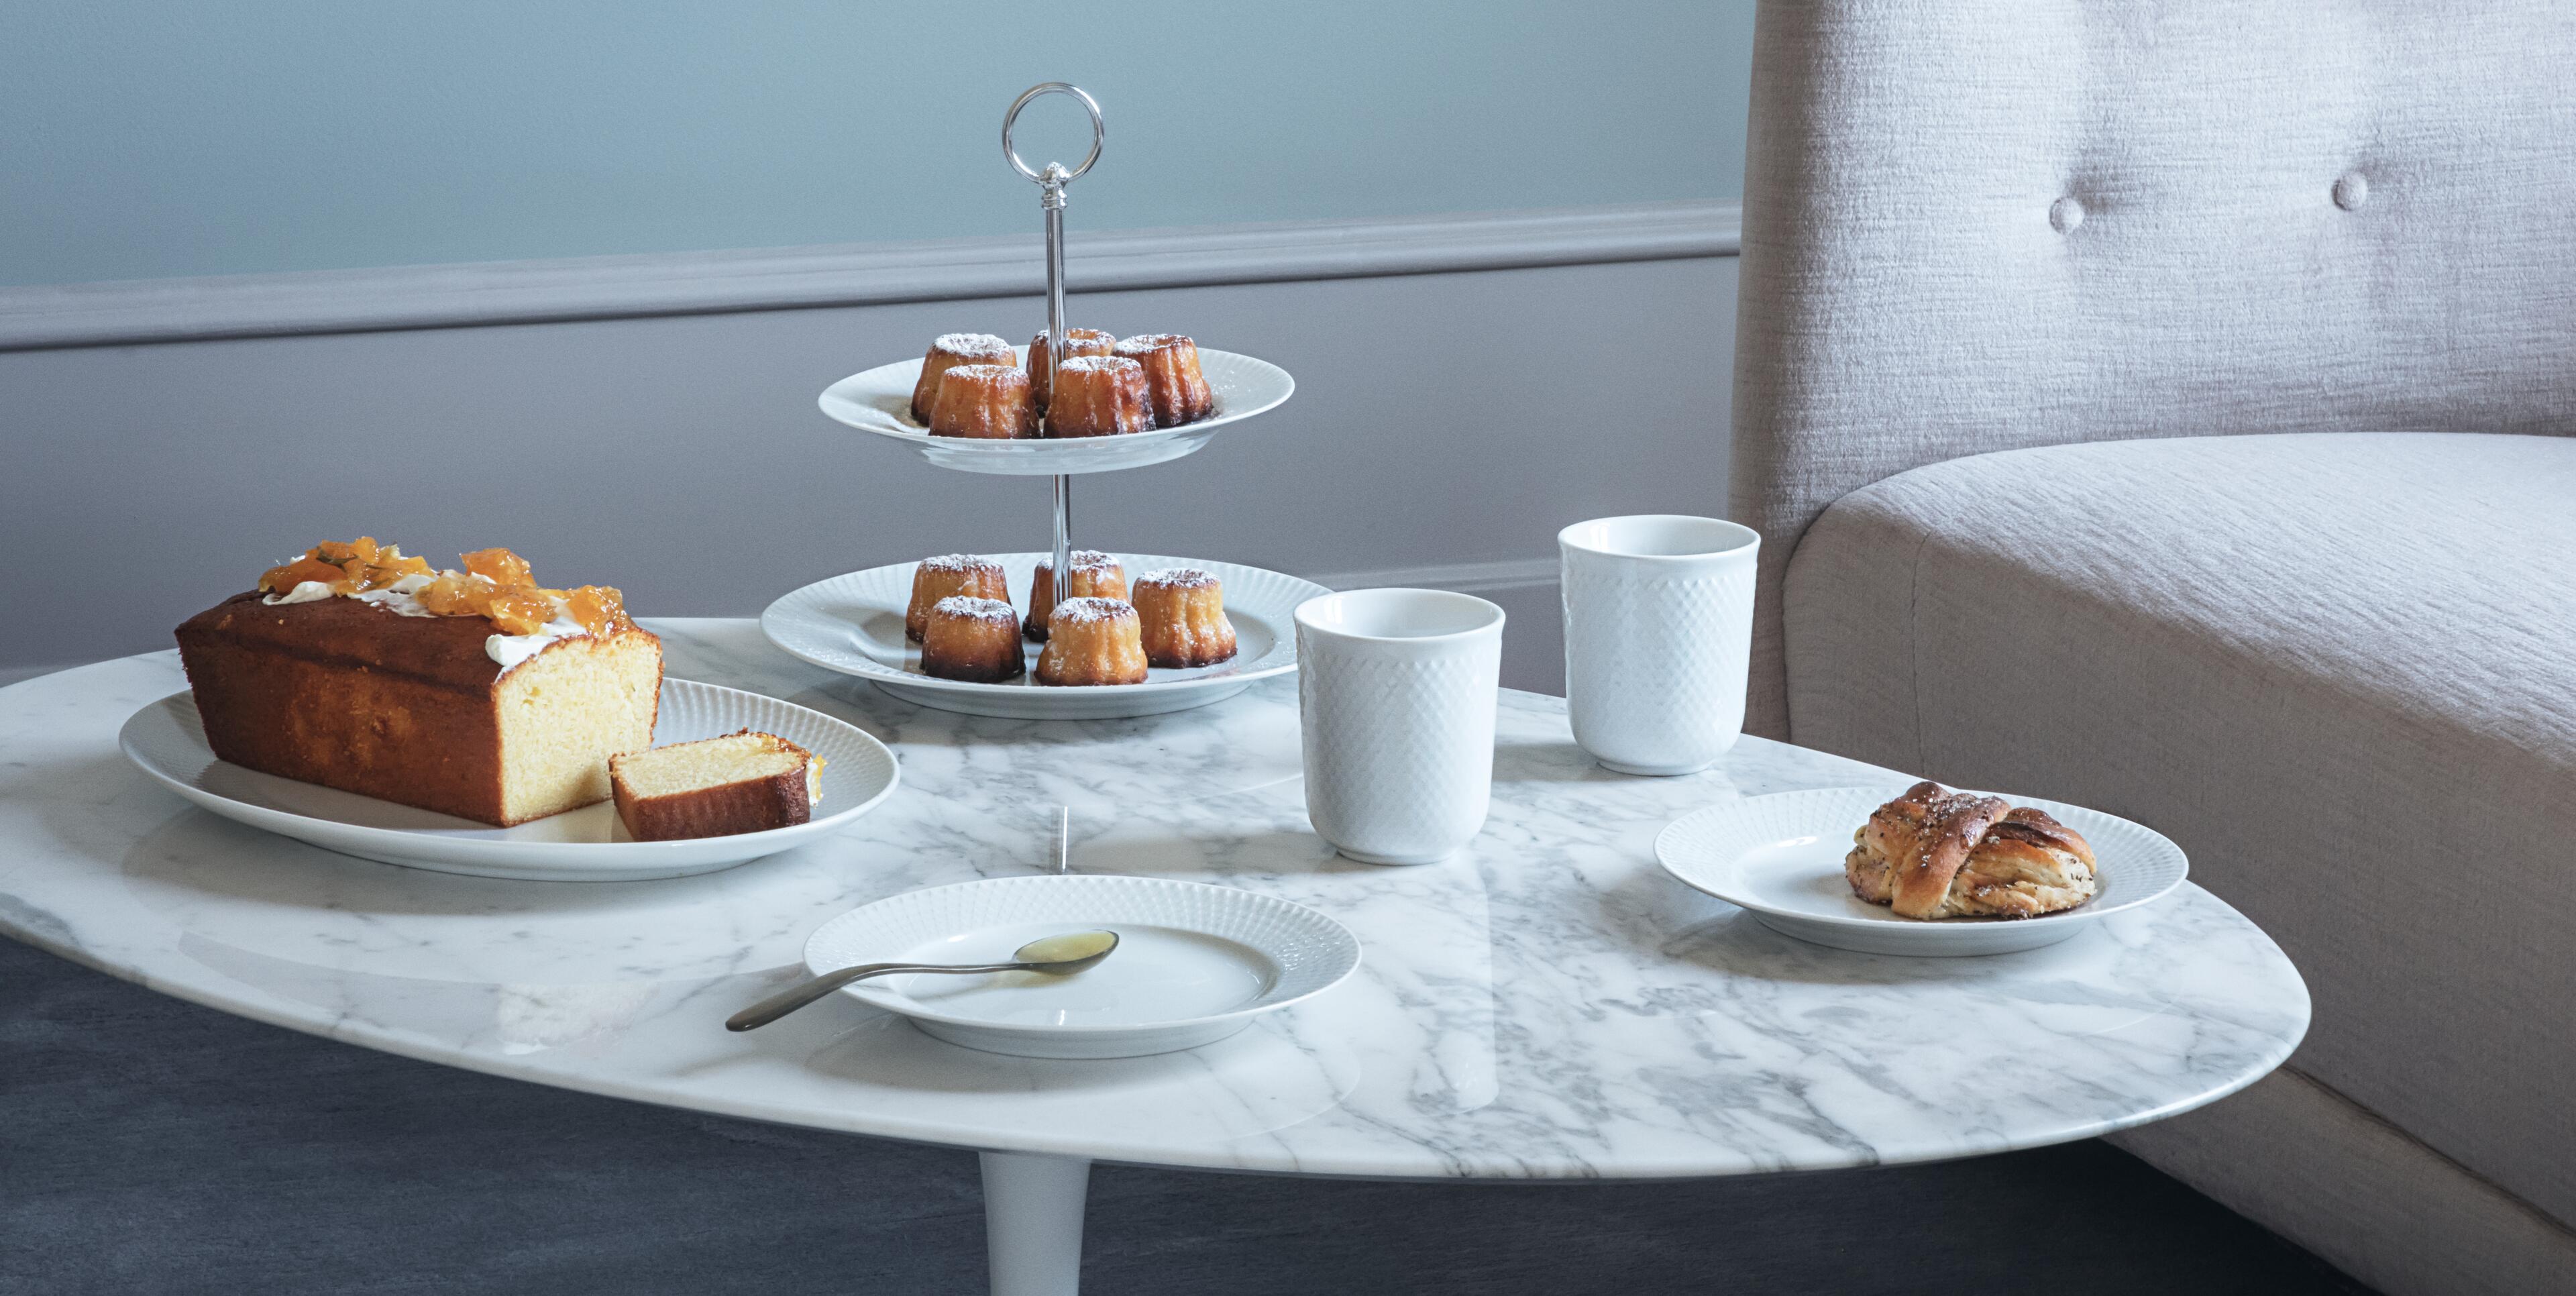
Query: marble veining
point(1549, 1004)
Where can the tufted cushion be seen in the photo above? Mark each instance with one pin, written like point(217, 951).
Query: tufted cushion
point(2340, 670)
point(1976, 225)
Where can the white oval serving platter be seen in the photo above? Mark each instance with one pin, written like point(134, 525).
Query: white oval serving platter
point(880, 401)
point(853, 624)
point(168, 741)
point(1781, 856)
point(1195, 963)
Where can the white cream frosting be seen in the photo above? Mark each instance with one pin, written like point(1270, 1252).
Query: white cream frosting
point(510, 650)
point(403, 599)
point(304, 592)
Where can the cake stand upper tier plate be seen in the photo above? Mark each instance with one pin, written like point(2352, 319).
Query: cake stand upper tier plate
point(880, 401)
point(854, 624)
point(167, 740)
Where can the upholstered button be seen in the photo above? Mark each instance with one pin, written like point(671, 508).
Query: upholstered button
point(2352, 191)
point(2065, 214)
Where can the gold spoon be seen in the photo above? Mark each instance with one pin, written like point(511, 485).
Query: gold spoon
point(1054, 955)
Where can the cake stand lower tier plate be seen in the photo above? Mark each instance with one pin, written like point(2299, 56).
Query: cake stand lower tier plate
point(853, 624)
point(167, 740)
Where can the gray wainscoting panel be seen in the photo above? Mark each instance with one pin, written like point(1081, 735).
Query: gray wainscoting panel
point(1441, 421)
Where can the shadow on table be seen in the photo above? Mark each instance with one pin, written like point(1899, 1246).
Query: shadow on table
point(1720, 936)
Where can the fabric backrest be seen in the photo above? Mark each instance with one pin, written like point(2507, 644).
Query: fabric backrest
point(1976, 225)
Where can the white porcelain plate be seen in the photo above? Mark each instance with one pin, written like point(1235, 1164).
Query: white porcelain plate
point(1194, 964)
point(1781, 856)
point(880, 401)
point(167, 741)
point(854, 624)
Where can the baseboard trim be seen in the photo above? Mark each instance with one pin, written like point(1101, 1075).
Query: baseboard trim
point(1465, 578)
point(692, 283)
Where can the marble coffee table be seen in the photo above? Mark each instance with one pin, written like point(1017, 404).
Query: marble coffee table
point(1547, 1006)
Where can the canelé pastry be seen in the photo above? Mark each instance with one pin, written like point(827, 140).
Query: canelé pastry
point(1095, 575)
point(973, 639)
point(948, 351)
point(474, 693)
point(1173, 385)
point(1098, 396)
point(1934, 853)
point(1181, 613)
point(746, 781)
point(1077, 342)
point(934, 579)
point(1092, 641)
point(988, 402)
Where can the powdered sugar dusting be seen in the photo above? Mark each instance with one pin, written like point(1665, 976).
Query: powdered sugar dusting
point(1102, 364)
point(1147, 343)
point(1178, 578)
point(982, 609)
point(1077, 337)
point(1091, 611)
point(969, 344)
point(1084, 560)
point(958, 563)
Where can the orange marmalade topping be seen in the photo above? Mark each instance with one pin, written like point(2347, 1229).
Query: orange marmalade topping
point(352, 568)
point(496, 584)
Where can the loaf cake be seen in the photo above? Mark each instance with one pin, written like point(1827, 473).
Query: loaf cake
point(474, 693)
point(746, 781)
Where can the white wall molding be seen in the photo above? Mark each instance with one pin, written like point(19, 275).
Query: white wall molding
point(1464, 578)
point(693, 283)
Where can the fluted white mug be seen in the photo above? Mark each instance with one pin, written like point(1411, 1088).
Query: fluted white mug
point(1396, 690)
point(1658, 631)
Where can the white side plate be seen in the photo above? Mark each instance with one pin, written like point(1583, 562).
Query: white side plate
point(168, 741)
point(1781, 856)
point(854, 624)
point(880, 401)
point(1195, 963)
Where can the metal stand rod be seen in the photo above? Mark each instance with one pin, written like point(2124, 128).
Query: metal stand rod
point(1051, 197)
point(1063, 537)
point(1051, 180)
point(1033, 1223)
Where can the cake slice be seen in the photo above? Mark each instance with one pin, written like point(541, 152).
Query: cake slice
point(746, 781)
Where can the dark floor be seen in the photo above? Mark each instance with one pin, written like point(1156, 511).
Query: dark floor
point(149, 1146)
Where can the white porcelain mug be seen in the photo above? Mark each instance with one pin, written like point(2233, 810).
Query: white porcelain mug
point(1396, 690)
point(1658, 630)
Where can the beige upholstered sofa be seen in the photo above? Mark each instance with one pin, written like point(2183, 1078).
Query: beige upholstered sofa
point(2165, 406)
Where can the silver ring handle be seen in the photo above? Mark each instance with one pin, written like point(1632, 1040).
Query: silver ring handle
point(1054, 172)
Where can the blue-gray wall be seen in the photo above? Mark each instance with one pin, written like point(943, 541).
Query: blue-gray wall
point(144, 140)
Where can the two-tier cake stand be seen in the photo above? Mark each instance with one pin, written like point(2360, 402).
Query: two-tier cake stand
point(853, 623)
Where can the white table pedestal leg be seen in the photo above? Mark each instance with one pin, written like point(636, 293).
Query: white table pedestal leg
point(1033, 1222)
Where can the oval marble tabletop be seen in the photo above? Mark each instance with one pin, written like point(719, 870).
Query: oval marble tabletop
point(1549, 1004)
